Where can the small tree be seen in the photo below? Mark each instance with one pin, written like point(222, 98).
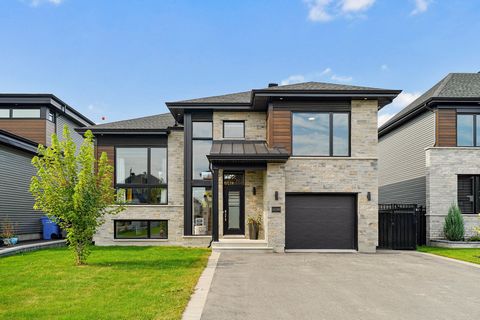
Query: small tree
point(454, 227)
point(74, 190)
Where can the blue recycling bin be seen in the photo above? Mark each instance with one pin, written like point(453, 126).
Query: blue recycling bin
point(50, 229)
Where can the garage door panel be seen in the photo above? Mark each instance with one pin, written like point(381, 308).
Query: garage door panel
point(315, 221)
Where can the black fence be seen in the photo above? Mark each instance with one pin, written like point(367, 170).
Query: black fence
point(401, 226)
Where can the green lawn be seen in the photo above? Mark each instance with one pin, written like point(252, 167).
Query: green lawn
point(117, 283)
point(469, 255)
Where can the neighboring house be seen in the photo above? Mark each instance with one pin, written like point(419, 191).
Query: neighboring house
point(27, 120)
point(429, 152)
point(302, 156)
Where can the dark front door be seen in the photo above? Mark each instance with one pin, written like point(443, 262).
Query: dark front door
point(234, 210)
point(320, 221)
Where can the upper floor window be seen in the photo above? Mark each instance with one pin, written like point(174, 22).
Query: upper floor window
point(201, 144)
point(4, 113)
point(321, 134)
point(468, 130)
point(51, 116)
point(234, 129)
point(25, 113)
point(141, 173)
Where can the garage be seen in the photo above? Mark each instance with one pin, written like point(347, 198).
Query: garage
point(320, 221)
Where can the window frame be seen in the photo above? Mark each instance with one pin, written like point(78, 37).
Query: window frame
point(330, 133)
point(139, 185)
point(148, 229)
point(23, 109)
point(199, 182)
point(476, 144)
point(475, 192)
point(233, 121)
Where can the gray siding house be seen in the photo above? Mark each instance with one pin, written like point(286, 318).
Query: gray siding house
point(429, 153)
point(27, 120)
point(302, 157)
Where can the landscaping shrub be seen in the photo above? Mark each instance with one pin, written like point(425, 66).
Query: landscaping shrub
point(454, 227)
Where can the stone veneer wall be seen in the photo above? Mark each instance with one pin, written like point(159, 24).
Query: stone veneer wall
point(442, 167)
point(173, 211)
point(255, 124)
point(253, 203)
point(355, 174)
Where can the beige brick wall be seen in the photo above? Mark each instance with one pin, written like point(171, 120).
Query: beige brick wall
point(255, 124)
point(254, 203)
point(442, 167)
point(173, 212)
point(274, 180)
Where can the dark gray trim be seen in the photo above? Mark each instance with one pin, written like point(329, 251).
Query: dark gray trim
point(50, 99)
point(132, 140)
point(187, 223)
point(215, 206)
point(9, 139)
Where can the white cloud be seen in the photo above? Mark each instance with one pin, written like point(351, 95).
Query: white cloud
point(36, 3)
point(421, 6)
point(400, 102)
point(384, 67)
point(293, 79)
point(315, 76)
point(338, 78)
point(356, 5)
point(327, 10)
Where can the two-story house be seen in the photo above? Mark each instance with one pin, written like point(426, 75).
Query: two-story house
point(27, 120)
point(302, 156)
point(429, 153)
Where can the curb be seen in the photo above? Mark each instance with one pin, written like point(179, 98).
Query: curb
point(195, 306)
point(31, 247)
point(471, 264)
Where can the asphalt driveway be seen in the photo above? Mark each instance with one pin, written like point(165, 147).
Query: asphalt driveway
point(387, 285)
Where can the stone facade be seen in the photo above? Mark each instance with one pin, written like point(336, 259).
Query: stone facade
point(274, 180)
point(173, 211)
point(255, 124)
point(442, 167)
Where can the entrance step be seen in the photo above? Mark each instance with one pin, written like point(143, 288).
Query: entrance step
point(241, 245)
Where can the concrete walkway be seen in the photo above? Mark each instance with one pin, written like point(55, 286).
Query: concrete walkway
point(387, 285)
point(30, 246)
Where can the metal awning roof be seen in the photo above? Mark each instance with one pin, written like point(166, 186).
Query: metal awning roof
point(246, 152)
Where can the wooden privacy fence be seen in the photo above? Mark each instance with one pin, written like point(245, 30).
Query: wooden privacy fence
point(401, 226)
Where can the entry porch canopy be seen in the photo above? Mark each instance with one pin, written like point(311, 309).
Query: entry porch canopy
point(239, 155)
point(244, 154)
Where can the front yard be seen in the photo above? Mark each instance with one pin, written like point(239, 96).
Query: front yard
point(469, 255)
point(117, 283)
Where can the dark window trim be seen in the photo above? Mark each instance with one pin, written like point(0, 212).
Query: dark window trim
point(139, 185)
point(330, 153)
point(148, 229)
point(475, 191)
point(475, 115)
point(233, 121)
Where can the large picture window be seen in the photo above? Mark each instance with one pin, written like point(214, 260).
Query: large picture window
point(468, 130)
point(321, 134)
point(201, 145)
point(141, 229)
point(202, 211)
point(141, 174)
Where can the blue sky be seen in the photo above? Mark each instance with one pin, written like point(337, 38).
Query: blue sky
point(124, 59)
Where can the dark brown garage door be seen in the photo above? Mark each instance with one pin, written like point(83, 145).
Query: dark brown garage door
point(320, 221)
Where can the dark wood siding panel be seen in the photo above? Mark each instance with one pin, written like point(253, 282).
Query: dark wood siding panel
point(446, 128)
point(32, 129)
point(281, 129)
point(109, 150)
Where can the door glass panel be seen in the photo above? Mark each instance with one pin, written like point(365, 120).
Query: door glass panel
point(230, 179)
point(234, 209)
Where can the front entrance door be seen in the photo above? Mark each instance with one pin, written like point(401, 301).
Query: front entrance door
point(233, 204)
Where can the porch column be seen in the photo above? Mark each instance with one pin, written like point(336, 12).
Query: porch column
point(215, 206)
